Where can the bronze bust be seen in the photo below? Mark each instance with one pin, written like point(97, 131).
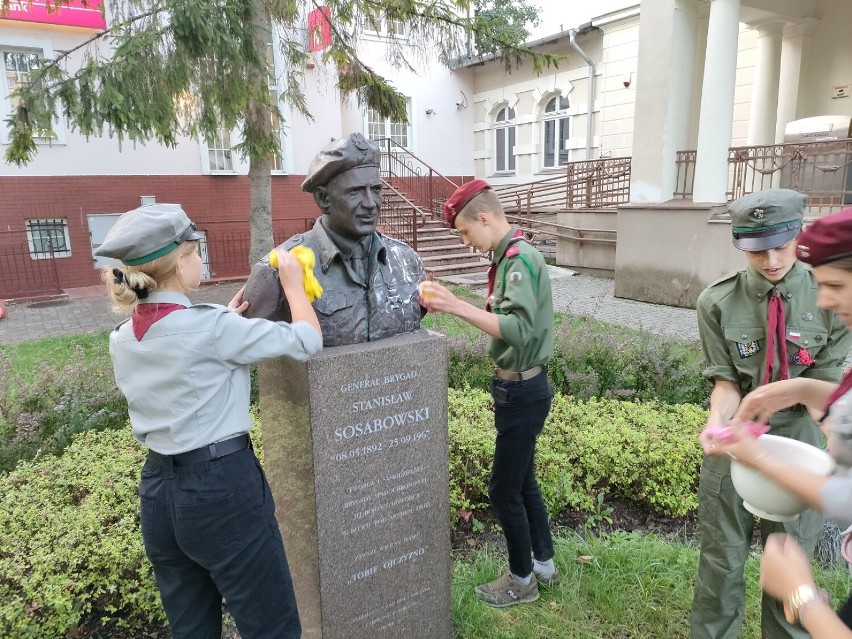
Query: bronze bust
point(369, 281)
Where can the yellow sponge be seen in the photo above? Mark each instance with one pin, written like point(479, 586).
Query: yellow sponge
point(308, 260)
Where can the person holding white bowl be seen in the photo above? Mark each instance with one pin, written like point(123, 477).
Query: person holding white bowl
point(785, 568)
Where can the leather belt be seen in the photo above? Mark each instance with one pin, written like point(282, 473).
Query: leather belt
point(518, 376)
point(203, 454)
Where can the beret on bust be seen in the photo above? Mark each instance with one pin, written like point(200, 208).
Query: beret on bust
point(767, 219)
point(339, 156)
point(144, 234)
point(829, 238)
point(461, 197)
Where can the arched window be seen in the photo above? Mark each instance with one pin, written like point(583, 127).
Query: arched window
point(504, 139)
point(555, 127)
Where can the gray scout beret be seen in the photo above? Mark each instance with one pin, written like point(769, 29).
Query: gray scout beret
point(146, 233)
point(766, 219)
point(339, 156)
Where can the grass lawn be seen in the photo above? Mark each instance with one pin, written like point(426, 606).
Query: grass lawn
point(616, 586)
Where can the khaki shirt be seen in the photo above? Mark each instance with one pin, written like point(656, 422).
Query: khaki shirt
point(351, 310)
point(524, 303)
point(732, 319)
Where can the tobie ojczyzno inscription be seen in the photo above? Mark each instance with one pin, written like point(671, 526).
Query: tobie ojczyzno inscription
point(355, 444)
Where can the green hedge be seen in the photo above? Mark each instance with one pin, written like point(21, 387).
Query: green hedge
point(71, 556)
point(647, 453)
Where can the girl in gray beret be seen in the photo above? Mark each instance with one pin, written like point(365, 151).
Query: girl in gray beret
point(207, 514)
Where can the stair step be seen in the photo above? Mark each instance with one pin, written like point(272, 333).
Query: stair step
point(455, 269)
point(443, 238)
point(447, 258)
point(441, 249)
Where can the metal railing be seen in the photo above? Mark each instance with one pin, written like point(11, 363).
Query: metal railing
point(399, 217)
point(228, 246)
point(603, 183)
point(820, 170)
point(411, 176)
point(25, 274)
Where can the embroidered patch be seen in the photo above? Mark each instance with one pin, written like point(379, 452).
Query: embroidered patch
point(749, 349)
point(802, 357)
point(795, 335)
point(808, 317)
point(515, 277)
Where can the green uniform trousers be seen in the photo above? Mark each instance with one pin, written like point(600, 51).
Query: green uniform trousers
point(726, 529)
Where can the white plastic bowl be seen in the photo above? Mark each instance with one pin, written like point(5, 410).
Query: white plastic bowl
point(765, 498)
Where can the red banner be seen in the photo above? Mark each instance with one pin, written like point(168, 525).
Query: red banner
point(319, 29)
point(72, 13)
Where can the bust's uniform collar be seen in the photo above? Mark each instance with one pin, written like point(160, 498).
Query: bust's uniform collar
point(328, 250)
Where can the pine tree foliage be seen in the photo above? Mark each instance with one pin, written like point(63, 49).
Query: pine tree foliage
point(166, 69)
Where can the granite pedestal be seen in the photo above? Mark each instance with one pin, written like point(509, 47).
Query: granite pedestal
point(355, 446)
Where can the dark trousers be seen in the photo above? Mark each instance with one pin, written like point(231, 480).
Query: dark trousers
point(520, 409)
point(210, 531)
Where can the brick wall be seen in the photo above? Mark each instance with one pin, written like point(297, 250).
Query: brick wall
point(219, 205)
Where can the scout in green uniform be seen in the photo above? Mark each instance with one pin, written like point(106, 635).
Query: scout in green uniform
point(758, 325)
point(519, 318)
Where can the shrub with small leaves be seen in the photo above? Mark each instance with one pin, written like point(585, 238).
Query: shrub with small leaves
point(42, 416)
point(646, 452)
point(71, 556)
point(594, 359)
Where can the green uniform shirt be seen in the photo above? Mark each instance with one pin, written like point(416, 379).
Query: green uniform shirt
point(732, 319)
point(524, 303)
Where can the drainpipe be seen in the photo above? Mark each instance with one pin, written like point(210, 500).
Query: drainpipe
point(591, 99)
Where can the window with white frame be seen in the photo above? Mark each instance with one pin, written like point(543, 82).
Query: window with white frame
point(504, 140)
point(376, 25)
point(219, 151)
point(48, 238)
point(379, 127)
point(17, 66)
point(555, 131)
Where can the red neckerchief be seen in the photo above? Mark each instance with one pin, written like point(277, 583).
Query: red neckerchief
point(776, 328)
point(492, 268)
point(144, 316)
point(840, 391)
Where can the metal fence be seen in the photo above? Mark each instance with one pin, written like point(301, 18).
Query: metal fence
point(589, 184)
point(24, 272)
point(28, 274)
point(820, 170)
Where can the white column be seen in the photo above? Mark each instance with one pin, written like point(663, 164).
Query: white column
point(764, 90)
point(796, 39)
point(717, 102)
point(664, 88)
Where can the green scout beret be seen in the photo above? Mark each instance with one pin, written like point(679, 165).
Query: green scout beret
point(339, 156)
point(144, 234)
point(766, 219)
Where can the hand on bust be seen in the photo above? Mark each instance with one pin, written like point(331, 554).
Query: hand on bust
point(237, 303)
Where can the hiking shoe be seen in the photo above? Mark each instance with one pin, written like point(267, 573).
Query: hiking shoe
point(548, 581)
point(506, 591)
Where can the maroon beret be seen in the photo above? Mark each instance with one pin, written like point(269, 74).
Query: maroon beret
point(461, 197)
point(828, 238)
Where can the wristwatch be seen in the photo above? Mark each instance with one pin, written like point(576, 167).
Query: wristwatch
point(799, 599)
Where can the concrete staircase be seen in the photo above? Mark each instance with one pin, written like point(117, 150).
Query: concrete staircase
point(444, 255)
